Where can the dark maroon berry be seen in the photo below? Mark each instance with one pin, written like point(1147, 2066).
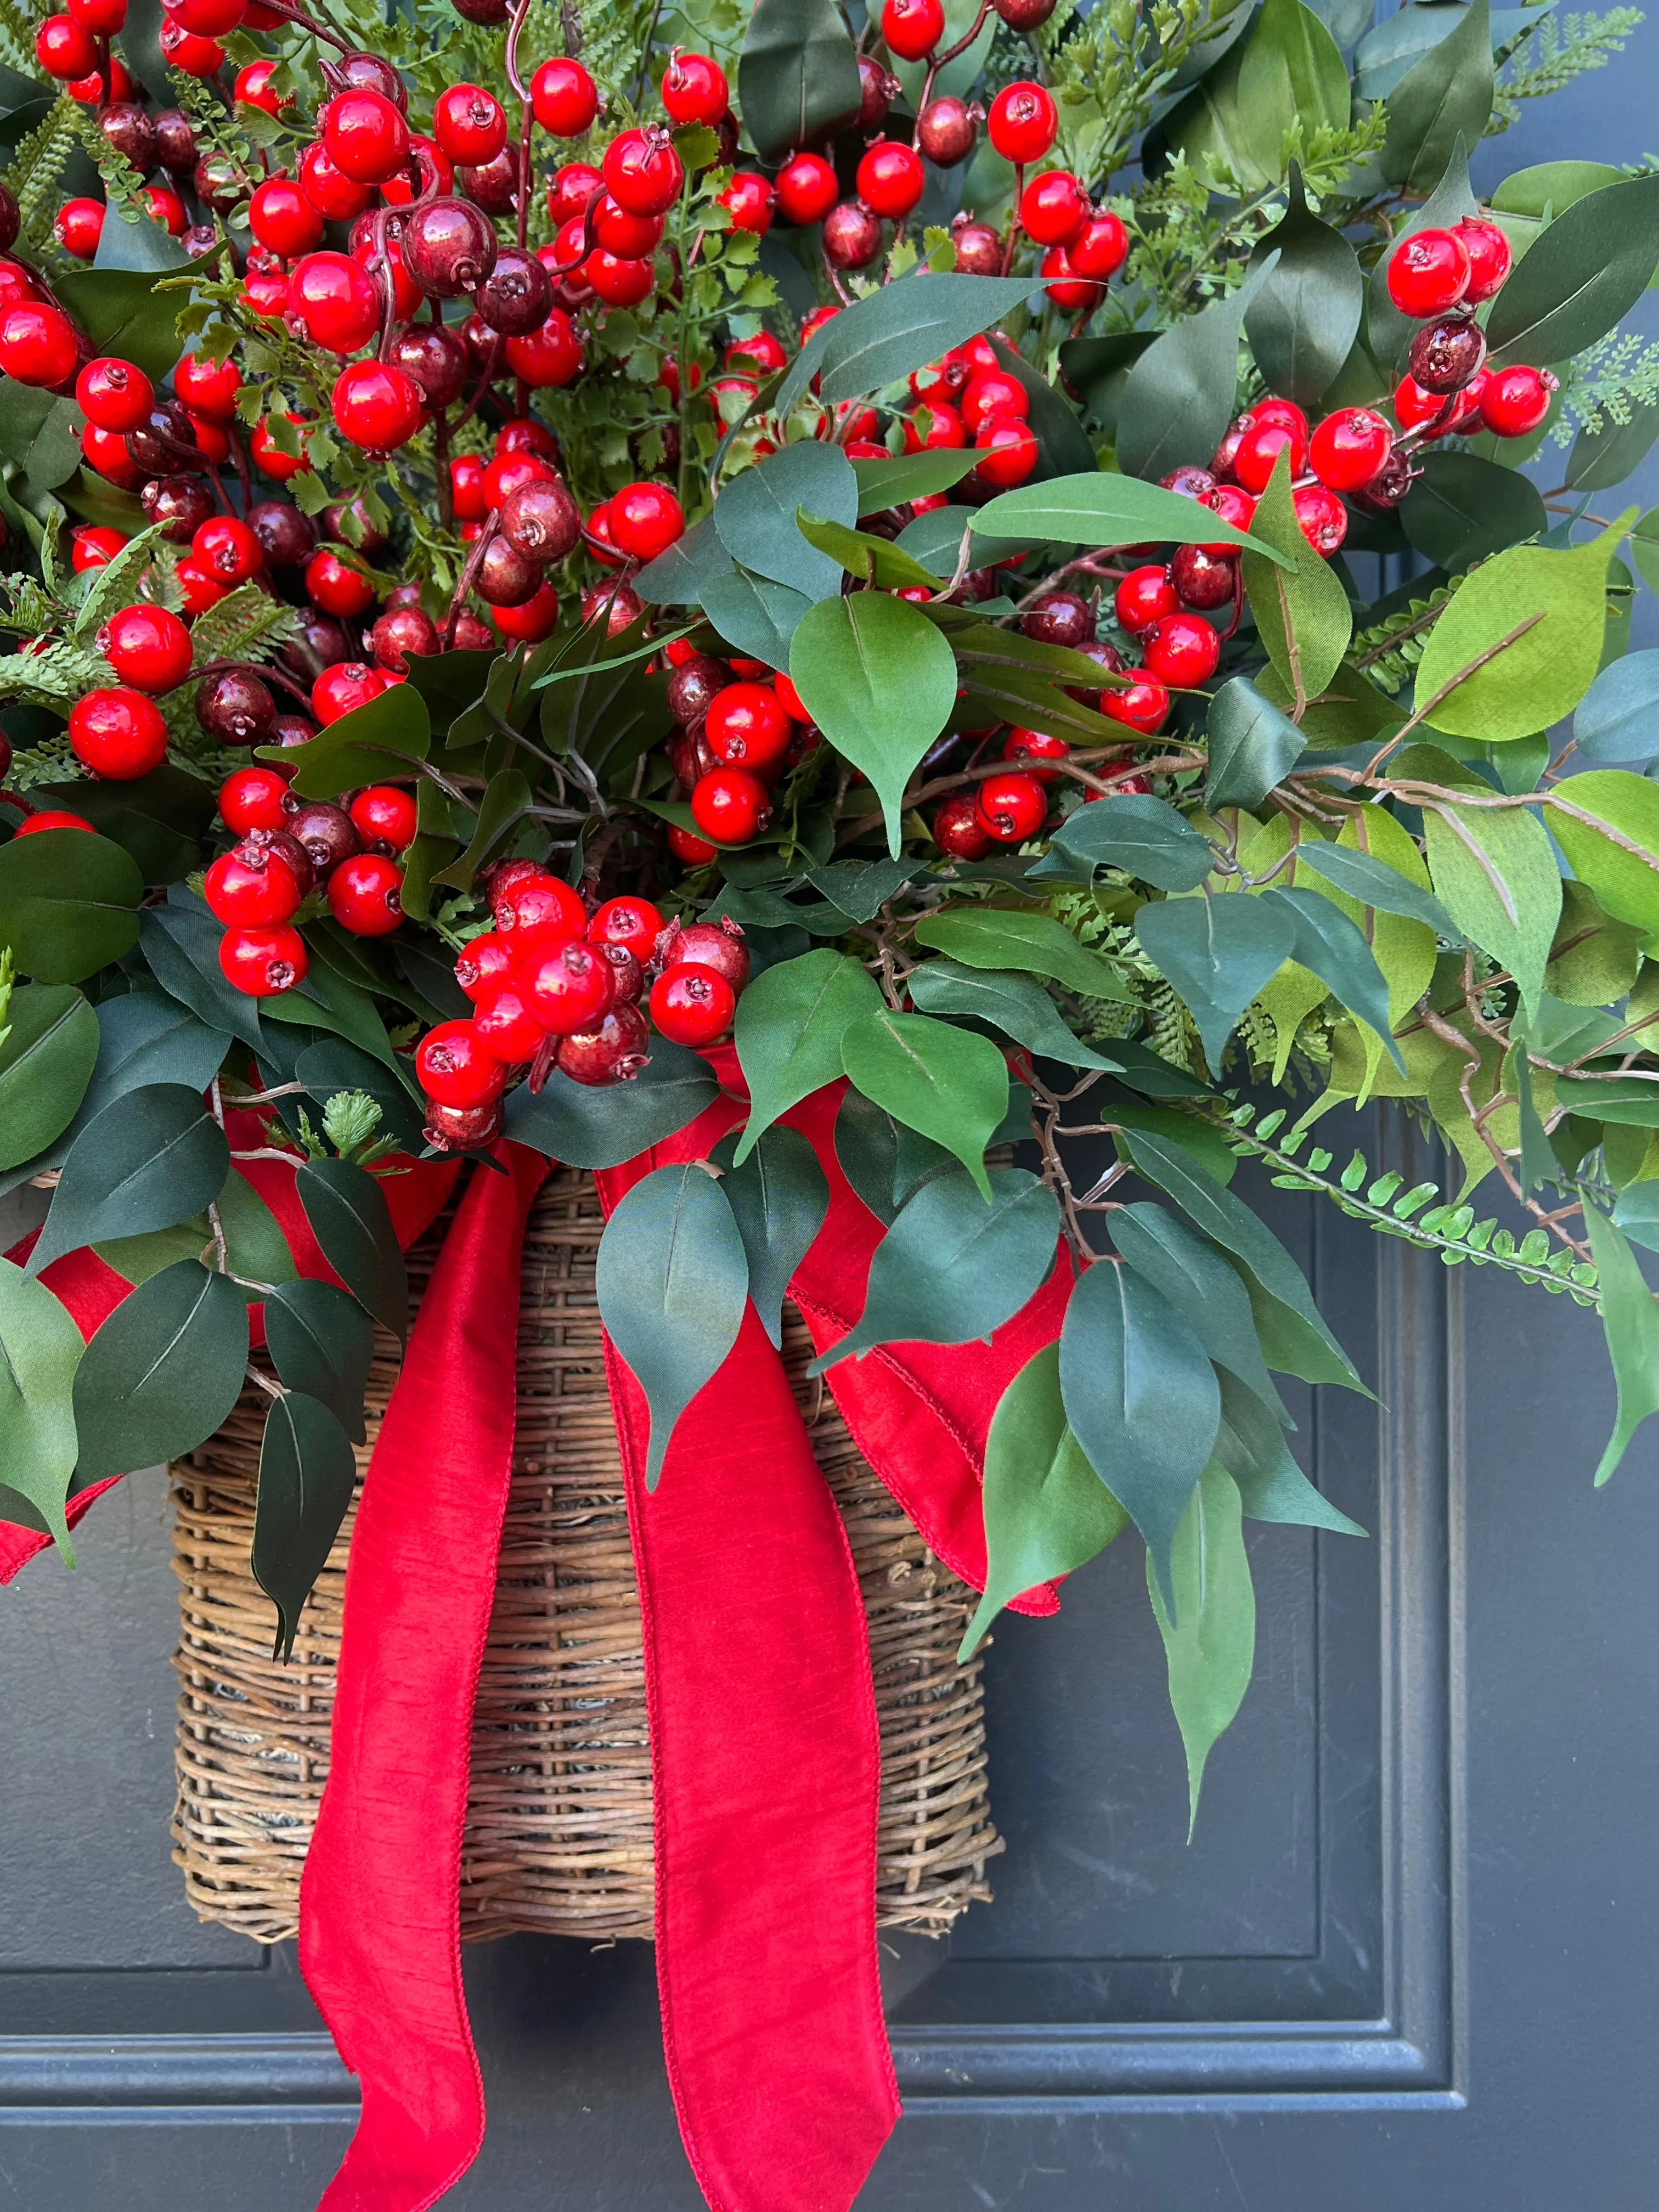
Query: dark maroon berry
point(235, 707)
point(433, 359)
point(614, 1052)
point(287, 538)
point(347, 522)
point(1024, 15)
point(319, 643)
point(448, 246)
point(367, 72)
point(291, 730)
point(946, 130)
point(979, 250)
point(10, 223)
point(326, 831)
point(167, 446)
point(693, 684)
point(1221, 464)
point(1103, 656)
point(516, 296)
point(465, 1128)
point(175, 140)
point(1189, 480)
point(716, 944)
point(852, 235)
point(180, 504)
point(494, 186)
point(541, 520)
point(219, 183)
point(1203, 579)
point(1058, 618)
point(402, 631)
point(726, 141)
point(1447, 355)
point(282, 845)
point(629, 976)
point(877, 88)
point(473, 633)
point(506, 577)
point(199, 240)
point(1388, 488)
point(127, 127)
point(690, 756)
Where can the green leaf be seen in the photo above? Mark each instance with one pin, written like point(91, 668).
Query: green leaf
point(1250, 1445)
point(867, 559)
point(39, 1351)
point(68, 904)
point(790, 1022)
point(589, 1126)
point(1047, 1512)
point(779, 1197)
point(370, 743)
point(1180, 396)
point(900, 327)
point(180, 943)
point(1142, 1399)
point(1580, 278)
point(1495, 873)
point(1293, 1336)
point(1291, 69)
point(506, 798)
point(1462, 508)
point(797, 75)
point(1208, 1626)
point(1253, 745)
point(1388, 333)
point(48, 1046)
point(347, 1209)
point(328, 1000)
point(1332, 947)
point(1204, 1290)
point(162, 1373)
point(1630, 1321)
point(306, 1474)
point(1016, 1005)
point(1363, 877)
point(1143, 835)
point(123, 314)
point(1606, 822)
point(880, 681)
point(255, 1246)
point(137, 245)
point(1442, 101)
point(322, 1343)
point(1302, 322)
point(143, 1038)
point(1519, 642)
point(755, 514)
point(1099, 370)
point(1217, 953)
point(757, 620)
point(1105, 509)
point(1626, 1101)
point(909, 476)
point(1604, 456)
point(147, 1160)
point(955, 1265)
point(1552, 186)
point(1302, 613)
point(1035, 943)
point(42, 435)
point(672, 1282)
point(861, 888)
point(159, 818)
point(333, 1065)
point(945, 1083)
point(883, 1161)
point(1618, 718)
point(679, 576)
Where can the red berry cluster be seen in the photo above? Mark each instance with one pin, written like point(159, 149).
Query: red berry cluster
point(1439, 277)
point(741, 728)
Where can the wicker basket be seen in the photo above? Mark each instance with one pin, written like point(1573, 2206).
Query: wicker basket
point(559, 1830)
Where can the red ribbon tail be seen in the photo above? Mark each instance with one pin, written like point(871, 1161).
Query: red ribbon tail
point(379, 1933)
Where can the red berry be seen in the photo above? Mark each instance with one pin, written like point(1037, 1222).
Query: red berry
point(1027, 747)
point(363, 895)
point(572, 188)
point(64, 48)
point(254, 88)
point(693, 850)
point(692, 1005)
point(1009, 450)
point(913, 28)
point(118, 733)
point(549, 356)
point(486, 960)
point(52, 818)
point(852, 235)
point(336, 586)
point(748, 199)
point(565, 99)
point(714, 944)
point(93, 546)
point(207, 387)
point(625, 237)
point(506, 1026)
point(646, 520)
point(115, 394)
point(746, 727)
point(253, 799)
point(533, 620)
point(788, 698)
point(1023, 122)
point(327, 186)
point(1490, 258)
point(250, 888)
point(694, 88)
point(77, 226)
point(1323, 518)
point(891, 178)
point(196, 56)
point(958, 831)
point(806, 190)
point(614, 1052)
point(535, 912)
point(263, 962)
point(226, 550)
point(730, 804)
point(1065, 287)
point(456, 1068)
point(466, 486)
point(1010, 806)
point(104, 18)
point(1144, 597)
point(37, 345)
point(365, 135)
point(342, 688)
point(993, 391)
point(147, 646)
point(1259, 450)
point(207, 19)
point(461, 1128)
point(632, 923)
point(1350, 447)
point(1516, 400)
point(1053, 207)
point(1100, 248)
point(335, 301)
point(1417, 407)
point(469, 123)
point(282, 219)
point(642, 171)
point(1143, 704)
point(377, 405)
point(1181, 650)
point(568, 988)
point(1284, 412)
point(166, 208)
point(1429, 272)
point(386, 811)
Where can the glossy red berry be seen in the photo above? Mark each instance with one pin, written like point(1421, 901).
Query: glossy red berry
point(958, 831)
point(1517, 399)
point(1100, 248)
point(1009, 452)
point(335, 300)
point(366, 136)
point(1053, 207)
point(1323, 518)
point(196, 56)
point(364, 893)
point(386, 811)
point(1181, 650)
point(345, 687)
point(891, 179)
point(456, 1068)
point(376, 405)
point(94, 545)
point(749, 200)
point(913, 28)
point(694, 88)
point(993, 391)
point(1142, 704)
point(118, 733)
point(714, 944)
point(550, 356)
point(1428, 272)
point(506, 1026)
point(642, 171)
point(1023, 122)
point(226, 550)
point(254, 88)
point(572, 188)
point(469, 123)
point(646, 520)
point(532, 621)
point(52, 818)
point(1259, 450)
point(485, 960)
point(535, 912)
point(693, 850)
point(77, 226)
point(1437, 414)
point(745, 726)
point(282, 218)
point(327, 186)
point(1012, 806)
point(730, 804)
point(692, 1005)
point(147, 646)
point(614, 1052)
point(1025, 748)
point(852, 235)
point(1144, 596)
point(64, 48)
point(632, 923)
point(337, 587)
point(806, 188)
point(37, 346)
point(250, 890)
point(625, 237)
point(1350, 447)
point(565, 98)
point(264, 962)
point(115, 394)
point(207, 387)
point(568, 987)
point(1490, 258)
point(253, 799)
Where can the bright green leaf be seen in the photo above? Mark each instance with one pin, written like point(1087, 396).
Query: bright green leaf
point(1208, 1626)
point(945, 1083)
point(880, 681)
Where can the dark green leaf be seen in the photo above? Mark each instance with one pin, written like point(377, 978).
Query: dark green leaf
point(861, 888)
point(1581, 278)
point(1104, 509)
point(1333, 948)
point(672, 1282)
point(1180, 393)
point(798, 77)
point(867, 558)
point(779, 1197)
point(1204, 1290)
point(1217, 953)
point(880, 681)
point(677, 577)
point(326, 1000)
point(947, 1084)
point(1047, 1512)
point(883, 484)
point(1144, 837)
point(587, 1126)
point(755, 514)
point(322, 1342)
point(48, 1047)
point(883, 1161)
point(1253, 745)
point(41, 433)
point(1630, 1102)
point(307, 1472)
point(1442, 100)
point(903, 326)
point(180, 943)
point(1251, 1446)
point(371, 742)
point(1303, 320)
point(758, 620)
point(335, 1065)
point(159, 818)
point(162, 1373)
point(1462, 508)
point(147, 1160)
point(789, 1028)
point(1063, 447)
point(1209, 1625)
point(1630, 1321)
point(1304, 615)
point(1618, 718)
point(1373, 883)
point(123, 314)
point(346, 1210)
point(1036, 943)
point(1604, 457)
point(1142, 1399)
point(39, 1351)
point(68, 904)
point(1016, 1005)
point(1154, 1077)
point(137, 246)
point(501, 809)
point(954, 1267)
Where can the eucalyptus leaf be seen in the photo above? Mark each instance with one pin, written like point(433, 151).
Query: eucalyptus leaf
point(307, 1475)
point(1208, 1621)
point(1462, 508)
point(587, 1126)
point(880, 682)
point(1180, 393)
point(779, 1197)
point(40, 1350)
point(68, 904)
point(48, 1047)
point(322, 1342)
point(797, 75)
point(1443, 99)
point(788, 1031)
point(1305, 317)
point(1202, 1288)
point(1144, 837)
point(1250, 1444)
point(349, 1217)
point(161, 1373)
point(756, 618)
point(1581, 278)
point(944, 1083)
point(755, 514)
point(1015, 1004)
point(1618, 718)
point(1217, 953)
point(1253, 745)
point(145, 1161)
point(180, 943)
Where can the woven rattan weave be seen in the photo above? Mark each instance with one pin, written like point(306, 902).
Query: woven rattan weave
point(558, 1836)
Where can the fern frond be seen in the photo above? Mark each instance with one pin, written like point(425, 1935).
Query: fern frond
point(116, 584)
point(123, 185)
point(1558, 49)
point(246, 625)
point(32, 178)
point(17, 29)
point(1607, 382)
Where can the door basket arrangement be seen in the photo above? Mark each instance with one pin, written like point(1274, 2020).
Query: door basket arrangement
point(647, 634)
